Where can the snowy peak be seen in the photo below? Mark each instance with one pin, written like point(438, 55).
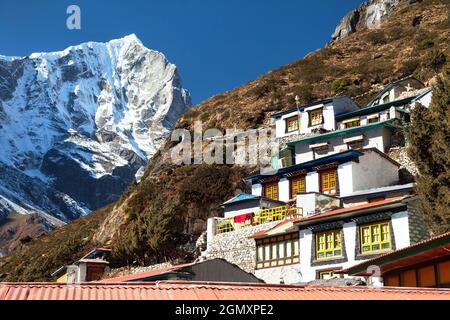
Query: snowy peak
point(84, 120)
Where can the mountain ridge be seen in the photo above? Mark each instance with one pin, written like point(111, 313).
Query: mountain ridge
point(79, 123)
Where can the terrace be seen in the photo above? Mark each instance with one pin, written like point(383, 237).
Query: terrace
point(262, 216)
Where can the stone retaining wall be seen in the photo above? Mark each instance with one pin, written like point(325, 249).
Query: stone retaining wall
point(236, 247)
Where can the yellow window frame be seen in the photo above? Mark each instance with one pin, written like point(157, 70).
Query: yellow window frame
point(328, 181)
point(292, 124)
point(315, 117)
point(322, 274)
point(329, 244)
point(375, 237)
point(298, 184)
point(271, 190)
point(352, 123)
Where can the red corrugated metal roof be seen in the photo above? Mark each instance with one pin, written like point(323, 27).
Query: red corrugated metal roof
point(146, 274)
point(170, 290)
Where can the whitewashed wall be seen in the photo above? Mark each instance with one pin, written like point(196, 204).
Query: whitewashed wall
point(379, 138)
point(383, 172)
point(257, 190)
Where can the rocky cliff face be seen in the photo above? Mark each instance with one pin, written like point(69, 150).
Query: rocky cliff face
point(369, 15)
point(76, 125)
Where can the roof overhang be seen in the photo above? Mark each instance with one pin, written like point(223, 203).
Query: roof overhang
point(343, 157)
point(323, 218)
point(344, 132)
point(428, 250)
point(321, 102)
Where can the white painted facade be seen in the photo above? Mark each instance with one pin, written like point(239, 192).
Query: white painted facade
point(336, 106)
point(378, 137)
point(305, 271)
point(352, 176)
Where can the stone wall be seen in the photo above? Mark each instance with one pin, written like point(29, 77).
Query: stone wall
point(408, 170)
point(236, 247)
point(418, 229)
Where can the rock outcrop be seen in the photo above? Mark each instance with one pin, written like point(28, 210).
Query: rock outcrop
point(368, 15)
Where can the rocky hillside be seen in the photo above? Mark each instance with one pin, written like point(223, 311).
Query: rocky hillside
point(77, 125)
point(160, 218)
point(369, 15)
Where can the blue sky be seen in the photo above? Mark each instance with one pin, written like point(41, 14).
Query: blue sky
point(216, 44)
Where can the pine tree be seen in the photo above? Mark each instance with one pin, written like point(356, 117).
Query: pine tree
point(429, 137)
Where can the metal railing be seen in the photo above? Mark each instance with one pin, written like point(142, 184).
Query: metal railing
point(281, 213)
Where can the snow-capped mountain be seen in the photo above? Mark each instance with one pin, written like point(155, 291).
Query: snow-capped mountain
point(76, 125)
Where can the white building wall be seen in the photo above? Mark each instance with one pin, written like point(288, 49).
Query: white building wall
point(280, 125)
point(379, 138)
point(257, 190)
point(425, 100)
point(345, 177)
point(312, 181)
point(382, 172)
point(283, 190)
point(308, 271)
point(400, 226)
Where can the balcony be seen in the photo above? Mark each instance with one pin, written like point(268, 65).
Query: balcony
point(224, 225)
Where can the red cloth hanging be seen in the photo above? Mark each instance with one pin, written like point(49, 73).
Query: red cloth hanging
point(244, 217)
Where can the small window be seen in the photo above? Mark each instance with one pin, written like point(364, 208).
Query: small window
point(277, 251)
point(328, 182)
point(292, 124)
point(324, 275)
point(298, 184)
point(356, 145)
point(373, 119)
point(315, 117)
point(329, 244)
point(271, 190)
point(375, 238)
point(352, 124)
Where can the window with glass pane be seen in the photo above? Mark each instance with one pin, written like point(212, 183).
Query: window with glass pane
point(277, 251)
point(267, 255)
point(352, 124)
point(375, 237)
point(355, 145)
point(329, 244)
point(271, 190)
point(296, 247)
point(260, 253)
point(292, 124)
point(315, 117)
point(298, 184)
point(373, 120)
point(281, 246)
point(328, 182)
point(274, 251)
